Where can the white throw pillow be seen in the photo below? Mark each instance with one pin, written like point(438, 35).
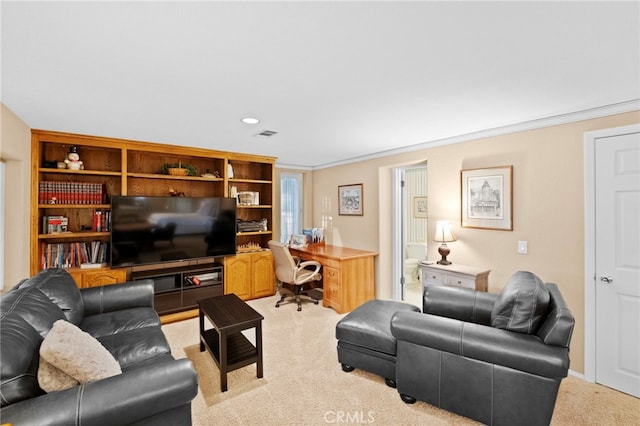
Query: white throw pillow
point(77, 353)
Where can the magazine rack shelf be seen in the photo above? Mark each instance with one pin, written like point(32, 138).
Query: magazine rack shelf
point(113, 166)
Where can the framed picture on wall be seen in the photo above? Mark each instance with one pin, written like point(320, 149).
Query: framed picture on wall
point(487, 198)
point(419, 206)
point(350, 199)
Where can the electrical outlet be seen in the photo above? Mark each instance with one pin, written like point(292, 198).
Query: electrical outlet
point(522, 247)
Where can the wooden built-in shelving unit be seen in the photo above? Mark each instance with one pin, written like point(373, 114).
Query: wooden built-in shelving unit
point(126, 167)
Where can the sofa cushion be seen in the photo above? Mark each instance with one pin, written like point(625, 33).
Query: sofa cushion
point(134, 346)
point(19, 355)
point(77, 353)
point(522, 304)
point(34, 306)
point(60, 287)
point(110, 323)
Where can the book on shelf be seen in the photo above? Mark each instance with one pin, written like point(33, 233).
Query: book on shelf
point(55, 192)
point(101, 220)
point(73, 254)
point(55, 224)
point(93, 265)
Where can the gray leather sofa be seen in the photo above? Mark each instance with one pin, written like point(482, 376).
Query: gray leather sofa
point(454, 356)
point(153, 389)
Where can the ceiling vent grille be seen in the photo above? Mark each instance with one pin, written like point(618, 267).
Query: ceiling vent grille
point(266, 134)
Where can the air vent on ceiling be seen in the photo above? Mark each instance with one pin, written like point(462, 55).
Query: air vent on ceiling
point(266, 134)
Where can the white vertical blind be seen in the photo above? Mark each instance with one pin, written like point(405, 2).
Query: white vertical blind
point(290, 205)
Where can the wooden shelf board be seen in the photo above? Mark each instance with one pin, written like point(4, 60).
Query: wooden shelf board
point(172, 177)
point(254, 233)
point(74, 206)
point(254, 206)
point(79, 172)
point(67, 235)
point(234, 180)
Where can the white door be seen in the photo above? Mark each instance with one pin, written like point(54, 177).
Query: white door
point(617, 262)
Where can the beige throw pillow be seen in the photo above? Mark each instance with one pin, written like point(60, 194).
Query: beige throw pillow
point(77, 354)
point(53, 379)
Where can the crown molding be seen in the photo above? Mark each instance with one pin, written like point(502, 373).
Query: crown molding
point(588, 114)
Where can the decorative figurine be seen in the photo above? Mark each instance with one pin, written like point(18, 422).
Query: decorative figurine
point(73, 159)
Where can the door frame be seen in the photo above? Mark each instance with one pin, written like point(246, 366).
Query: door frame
point(397, 233)
point(590, 139)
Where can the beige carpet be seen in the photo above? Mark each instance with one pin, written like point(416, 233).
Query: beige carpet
point(303, 383)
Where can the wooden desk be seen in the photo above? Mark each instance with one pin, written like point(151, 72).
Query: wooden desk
point(348, 274)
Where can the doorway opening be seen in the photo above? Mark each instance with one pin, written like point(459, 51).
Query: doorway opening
point(410, 218)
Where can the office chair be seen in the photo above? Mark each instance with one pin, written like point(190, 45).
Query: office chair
point(293, 273)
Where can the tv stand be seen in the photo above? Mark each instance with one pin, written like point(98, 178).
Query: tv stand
point(179, 288)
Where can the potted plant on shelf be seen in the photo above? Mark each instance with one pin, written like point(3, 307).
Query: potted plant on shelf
point(179, 169)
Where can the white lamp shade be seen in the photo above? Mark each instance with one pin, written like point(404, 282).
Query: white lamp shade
point(444, 232)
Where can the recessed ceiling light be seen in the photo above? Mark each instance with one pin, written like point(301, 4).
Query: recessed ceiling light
point(250, 120)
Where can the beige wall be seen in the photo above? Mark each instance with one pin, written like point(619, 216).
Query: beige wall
point(548, 211)
point(15, 150)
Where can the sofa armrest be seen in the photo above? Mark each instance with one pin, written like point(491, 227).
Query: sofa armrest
point(459, 303)
point(115, 297)
point(119, 400)
point(518, 351)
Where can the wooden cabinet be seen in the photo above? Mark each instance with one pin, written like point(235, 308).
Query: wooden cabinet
point(102, 276)
point(124, 167)
point(249, 275)
point(455, 275)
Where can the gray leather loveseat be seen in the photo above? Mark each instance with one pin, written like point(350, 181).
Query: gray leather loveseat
point(153, 388)
point(496, 358)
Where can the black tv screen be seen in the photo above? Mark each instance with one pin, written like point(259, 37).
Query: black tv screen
point(148, 230)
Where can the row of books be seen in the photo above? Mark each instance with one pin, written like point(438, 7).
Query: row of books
point(101, 222)
point(54, 192)
point(74, 254)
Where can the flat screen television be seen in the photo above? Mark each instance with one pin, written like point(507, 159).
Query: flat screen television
point(147, 230)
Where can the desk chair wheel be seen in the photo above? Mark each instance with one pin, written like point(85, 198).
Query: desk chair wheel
point(347, 368)
point(390, 382)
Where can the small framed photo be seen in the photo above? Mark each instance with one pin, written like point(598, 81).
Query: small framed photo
point(487, 198)
point(298, 241)
point(350, 199)
point(419, 206)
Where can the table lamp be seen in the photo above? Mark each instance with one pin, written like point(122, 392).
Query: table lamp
point(444, 235)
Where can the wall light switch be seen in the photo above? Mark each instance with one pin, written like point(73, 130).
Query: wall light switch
point(522, 247)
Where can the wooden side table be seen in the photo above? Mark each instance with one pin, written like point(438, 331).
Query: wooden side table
point(227, 345)
point(455, 275)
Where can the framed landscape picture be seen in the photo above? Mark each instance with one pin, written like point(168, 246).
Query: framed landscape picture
point(350, 200)
point(487, 198)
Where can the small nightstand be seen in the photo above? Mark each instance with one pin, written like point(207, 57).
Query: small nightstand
point(455, 275)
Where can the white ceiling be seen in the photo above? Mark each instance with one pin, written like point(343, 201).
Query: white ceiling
point(336, 80)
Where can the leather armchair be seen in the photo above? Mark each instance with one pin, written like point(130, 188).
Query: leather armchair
point(450, 356)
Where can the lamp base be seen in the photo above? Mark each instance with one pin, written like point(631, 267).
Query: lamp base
point(444, 252)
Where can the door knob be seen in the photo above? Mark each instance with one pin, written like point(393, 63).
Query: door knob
point(606, 279)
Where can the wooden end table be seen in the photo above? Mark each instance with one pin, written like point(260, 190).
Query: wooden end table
point(229, 348)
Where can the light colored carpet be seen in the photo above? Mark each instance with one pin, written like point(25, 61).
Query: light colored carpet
point(303, 382)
